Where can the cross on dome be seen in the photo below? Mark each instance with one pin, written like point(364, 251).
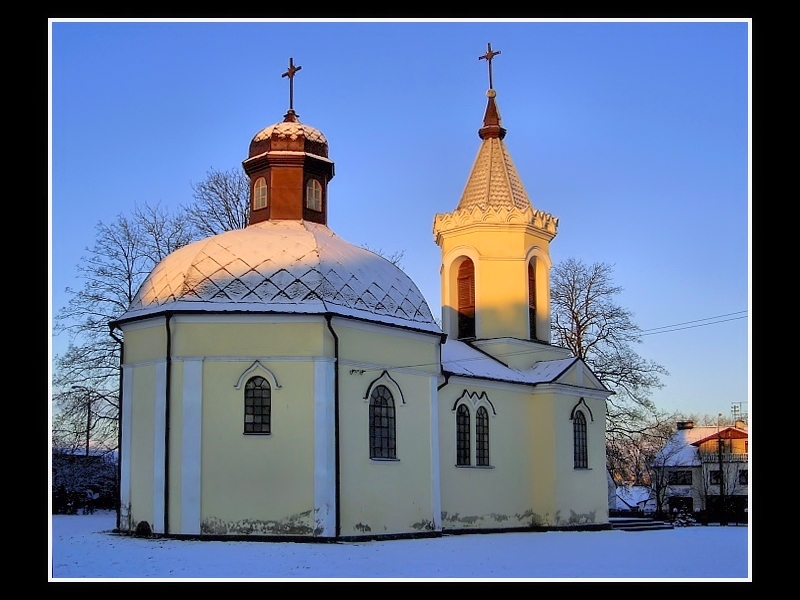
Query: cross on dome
point(290, 73)
point(490, 54)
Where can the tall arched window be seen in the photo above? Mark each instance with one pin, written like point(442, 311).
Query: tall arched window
point(257, 406)
point(581, 452)
point(260, 193)
point(382, 433)
point(462, 436)
point(314, 195)
point(532, 298)
point(466, 299)
point(482, 437)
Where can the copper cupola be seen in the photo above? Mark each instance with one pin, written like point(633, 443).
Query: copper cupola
point(289, 169)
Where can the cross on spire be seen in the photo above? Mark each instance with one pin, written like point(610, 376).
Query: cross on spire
point(290, 74)
point(490, 54)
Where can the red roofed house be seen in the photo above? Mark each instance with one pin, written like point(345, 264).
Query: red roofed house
point(705, 468)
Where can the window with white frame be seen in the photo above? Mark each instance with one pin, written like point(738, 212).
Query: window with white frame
point(314, 195)
point(260, 193)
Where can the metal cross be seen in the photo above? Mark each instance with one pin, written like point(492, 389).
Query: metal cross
point(490, 54)
point(290, 74)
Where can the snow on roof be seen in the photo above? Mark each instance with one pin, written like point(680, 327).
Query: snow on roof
point(459, 358)
point(283, 267)
point(631, 496)
point(679, 452)
point(291, 130)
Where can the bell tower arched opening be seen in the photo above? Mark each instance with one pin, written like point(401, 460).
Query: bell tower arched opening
point(466, 299)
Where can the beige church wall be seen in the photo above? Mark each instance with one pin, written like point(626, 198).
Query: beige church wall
point(248, 335)
point(141, 454)
point(501, 495)
point(380, 496)
point(386, 496)
point(145, 340)
point(370, 345)
point(581, 496)
point(258, 484)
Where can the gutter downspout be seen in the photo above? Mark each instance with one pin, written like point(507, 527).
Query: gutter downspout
point(328, 317)
point(441, 365)
point(119, 423)
point(168, 316)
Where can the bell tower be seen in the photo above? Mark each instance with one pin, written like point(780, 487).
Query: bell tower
point(496, 252)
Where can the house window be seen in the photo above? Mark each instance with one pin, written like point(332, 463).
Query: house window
point(482, 437)
point(466, 299)
point(581, 453)
point(743, 477)
point(257, 406)
point(260, 193)
point(382, 433)
point(462, 436)
point(532, 298)
point(714, 477)
point(681, 477)
point(314, 195)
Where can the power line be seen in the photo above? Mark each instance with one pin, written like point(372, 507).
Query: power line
point(697, 323)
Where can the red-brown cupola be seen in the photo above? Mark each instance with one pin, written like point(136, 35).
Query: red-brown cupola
point(289, 169)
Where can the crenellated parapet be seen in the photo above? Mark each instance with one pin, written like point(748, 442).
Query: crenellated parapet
point(444, 222)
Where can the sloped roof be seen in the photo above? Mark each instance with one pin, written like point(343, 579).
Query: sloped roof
point(493, 181)
point(283, 266)
point(459, 358)
point(728, 433)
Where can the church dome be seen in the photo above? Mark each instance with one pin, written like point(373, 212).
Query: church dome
point(283, 266)
point(291, 130)
point(289, 135)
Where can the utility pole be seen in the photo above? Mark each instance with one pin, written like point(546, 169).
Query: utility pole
point(88, 393)
point(722, 502)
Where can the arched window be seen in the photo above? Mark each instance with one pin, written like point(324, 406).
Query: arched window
point(260, 193)
point(532, 298)
point(257, 406)
point(462, 436)
point(482, 437)
point(579, 440)
point(314, 195)
point(382, 434)
point(466, 299)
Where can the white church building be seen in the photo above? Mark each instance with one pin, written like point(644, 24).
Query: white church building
point(280, 382)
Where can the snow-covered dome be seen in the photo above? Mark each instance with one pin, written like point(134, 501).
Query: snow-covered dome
point(291, 130)
point(283, 266)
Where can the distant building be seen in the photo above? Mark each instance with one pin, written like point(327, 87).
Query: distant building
point(704, 468)
point(279, 381)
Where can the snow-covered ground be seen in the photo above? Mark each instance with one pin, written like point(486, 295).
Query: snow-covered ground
point(84, 547)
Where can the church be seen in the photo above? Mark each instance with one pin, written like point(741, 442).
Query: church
point(279, 382)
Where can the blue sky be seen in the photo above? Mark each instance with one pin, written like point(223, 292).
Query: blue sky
point(635, 134)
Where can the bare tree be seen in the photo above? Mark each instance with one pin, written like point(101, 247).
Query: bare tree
point(395, 257)
point(86, 376)
point(221, 202)
point(587, 320)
